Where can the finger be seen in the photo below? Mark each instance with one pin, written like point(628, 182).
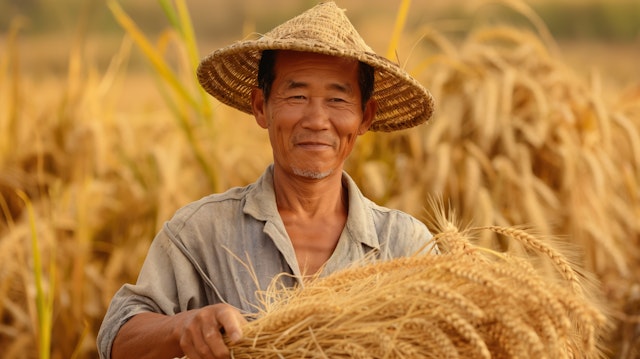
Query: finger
point(232, 321)
point(196, 348)
point(194, 341)
point(215, 343)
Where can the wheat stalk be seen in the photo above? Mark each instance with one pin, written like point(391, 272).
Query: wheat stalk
point(461, 303)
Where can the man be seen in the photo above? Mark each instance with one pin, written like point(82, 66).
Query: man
point(315, 86)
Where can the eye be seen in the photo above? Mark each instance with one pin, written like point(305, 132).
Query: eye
point(340, 103)
point(297, 99)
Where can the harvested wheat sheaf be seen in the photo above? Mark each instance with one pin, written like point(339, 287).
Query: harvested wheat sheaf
point(519, 137)
point(468, 302)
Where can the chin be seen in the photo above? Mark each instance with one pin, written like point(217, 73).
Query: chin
point(311, 174)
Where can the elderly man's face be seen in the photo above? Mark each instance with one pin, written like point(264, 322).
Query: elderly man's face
point(314, 113)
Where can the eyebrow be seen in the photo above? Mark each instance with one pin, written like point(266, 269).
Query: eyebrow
point(341, 87)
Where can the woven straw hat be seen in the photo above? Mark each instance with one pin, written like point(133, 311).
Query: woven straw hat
point(230, 73)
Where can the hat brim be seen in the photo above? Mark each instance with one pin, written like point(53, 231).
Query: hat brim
point(230, 74)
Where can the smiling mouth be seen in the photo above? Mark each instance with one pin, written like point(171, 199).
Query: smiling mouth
point(314, 145)
point(314, 142)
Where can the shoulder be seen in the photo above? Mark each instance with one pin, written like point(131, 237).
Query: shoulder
point(211, 208)
point(384, 216)
point(401, 233)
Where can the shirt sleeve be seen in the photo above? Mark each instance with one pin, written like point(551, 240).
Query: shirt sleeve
point(424, 242)
point(404, 235)
point(168, 283)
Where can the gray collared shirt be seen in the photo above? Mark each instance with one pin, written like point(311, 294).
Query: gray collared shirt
point(225, 247)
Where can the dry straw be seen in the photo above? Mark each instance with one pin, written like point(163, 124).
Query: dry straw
point(517, 138)
point(520, 138)
point(230, 73)
point(468, 302)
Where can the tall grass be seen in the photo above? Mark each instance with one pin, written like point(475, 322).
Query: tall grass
point(518, 138)
point(186, 96)
point(43, 296)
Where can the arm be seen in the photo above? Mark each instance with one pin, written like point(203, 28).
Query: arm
point(194, 333)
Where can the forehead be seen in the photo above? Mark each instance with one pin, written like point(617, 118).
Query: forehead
point(288, 62)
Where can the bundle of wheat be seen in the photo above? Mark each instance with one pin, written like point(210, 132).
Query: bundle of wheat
point(520, 138)
point(468, 302)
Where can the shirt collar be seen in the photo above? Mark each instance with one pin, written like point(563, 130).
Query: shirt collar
point(360, 225)
point(261, 204)
point(261, 198)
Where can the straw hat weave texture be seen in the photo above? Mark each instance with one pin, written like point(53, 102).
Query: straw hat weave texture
point(230, 73)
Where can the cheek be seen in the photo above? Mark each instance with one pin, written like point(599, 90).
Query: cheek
point(279, 134)
point(348, 141)
point(283, 117)
point(351, 141)
point(350, 127)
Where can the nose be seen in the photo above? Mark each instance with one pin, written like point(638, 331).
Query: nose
point(316, 116)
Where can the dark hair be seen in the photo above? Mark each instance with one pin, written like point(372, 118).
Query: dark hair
point(266, 75)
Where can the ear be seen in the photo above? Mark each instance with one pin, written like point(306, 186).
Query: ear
point(367, 117)
point(258, 107)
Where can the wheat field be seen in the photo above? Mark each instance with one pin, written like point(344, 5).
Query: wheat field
point(92, 162)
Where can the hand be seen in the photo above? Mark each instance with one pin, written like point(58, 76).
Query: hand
point(201, 334)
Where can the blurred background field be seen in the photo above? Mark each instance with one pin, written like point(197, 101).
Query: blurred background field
point(98, 146)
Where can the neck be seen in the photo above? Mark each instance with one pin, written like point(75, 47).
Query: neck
point(310, 197)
